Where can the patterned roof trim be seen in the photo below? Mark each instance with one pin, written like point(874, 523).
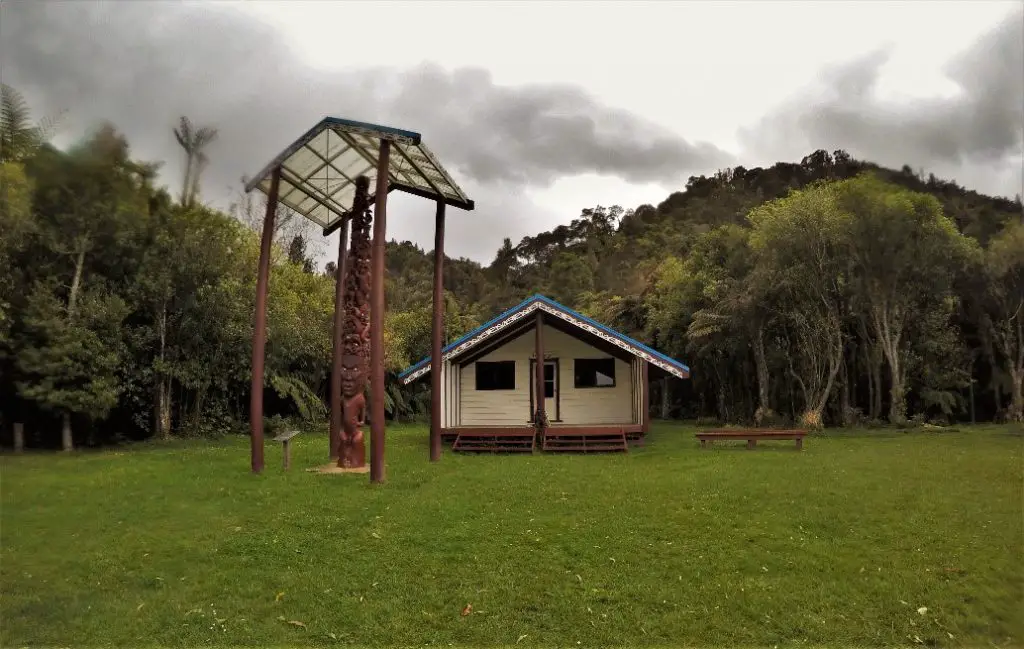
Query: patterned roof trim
point(547, 305)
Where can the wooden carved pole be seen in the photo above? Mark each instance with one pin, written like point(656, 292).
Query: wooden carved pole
point(355, 348)
point(438, 330)
point(259, 336)
point(337, 416)
point(377, 317)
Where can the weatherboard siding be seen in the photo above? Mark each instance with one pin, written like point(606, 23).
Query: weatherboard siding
point(614, 405)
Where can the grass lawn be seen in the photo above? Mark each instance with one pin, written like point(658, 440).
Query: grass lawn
point(866, 538)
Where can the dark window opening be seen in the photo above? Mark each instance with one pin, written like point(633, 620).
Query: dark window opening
point(496, 375)
point(594, 373)
point(549, 381)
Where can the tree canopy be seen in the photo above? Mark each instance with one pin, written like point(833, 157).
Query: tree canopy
point(830, 291)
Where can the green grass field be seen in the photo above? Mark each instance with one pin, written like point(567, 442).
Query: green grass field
point(866, 538)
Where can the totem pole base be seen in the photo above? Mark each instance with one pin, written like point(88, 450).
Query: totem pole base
point(334, 468)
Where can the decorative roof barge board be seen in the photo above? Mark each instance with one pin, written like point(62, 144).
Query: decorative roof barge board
point(318, 170)
point(508, 320)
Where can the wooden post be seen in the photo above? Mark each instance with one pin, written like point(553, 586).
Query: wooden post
point(664, 398)
point(377, 317)
point(19, 437)
point(645, 413)
point(287, 454)
point(334, 432)
point(259, 335)
point(538, 379)
point(437, 333)
point(972, 400)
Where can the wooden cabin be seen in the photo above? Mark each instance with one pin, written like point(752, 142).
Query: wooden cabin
point(596, 389)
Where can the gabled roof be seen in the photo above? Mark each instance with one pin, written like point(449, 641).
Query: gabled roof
point(547, 305)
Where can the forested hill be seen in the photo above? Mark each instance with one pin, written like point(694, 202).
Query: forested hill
point(703, 281)
point(812, 292)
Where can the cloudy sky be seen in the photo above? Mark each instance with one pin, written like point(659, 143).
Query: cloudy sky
point(539, 109)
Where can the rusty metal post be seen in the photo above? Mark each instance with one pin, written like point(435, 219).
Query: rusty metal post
point(334, 432)
point(259, 335)
point(538, 379)
point(438, 331)
point(377, 317)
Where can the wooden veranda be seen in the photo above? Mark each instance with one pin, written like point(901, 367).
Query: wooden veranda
point(558, 438)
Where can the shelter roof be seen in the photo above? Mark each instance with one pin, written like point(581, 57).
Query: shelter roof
point(319, 169)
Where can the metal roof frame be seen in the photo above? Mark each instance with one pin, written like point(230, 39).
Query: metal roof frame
point(319, 169)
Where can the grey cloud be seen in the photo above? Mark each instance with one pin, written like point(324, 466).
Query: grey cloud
point(142, 64)
point(978, 134)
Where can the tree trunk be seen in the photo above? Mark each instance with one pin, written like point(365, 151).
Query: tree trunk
point(76, 283)
point(870, 409)
point(163, 387)
point(19, 437)
point(65, 433)
point(845, 412)
point(876, 376)
point(897, 391)
point(1016, 412)
point(763, 410)
point(187, 183)
point(853, 376)
point(67, 442)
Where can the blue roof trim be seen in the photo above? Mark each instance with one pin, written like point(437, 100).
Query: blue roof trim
point(450, 346)
point(560, 307)
point(390, 130)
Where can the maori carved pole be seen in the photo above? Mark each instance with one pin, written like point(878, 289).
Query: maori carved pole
point(355, 360)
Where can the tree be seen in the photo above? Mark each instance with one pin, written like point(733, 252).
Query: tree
point(17, 225)
point(798, 240)
point(904, 254)
point(1003, 319)
point(194, 142)
point(68, 355)
point(19, 137)
point(85, 201)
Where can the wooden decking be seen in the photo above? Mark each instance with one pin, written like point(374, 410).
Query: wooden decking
point(585, 440)
point(556, 439)
point(495, 440)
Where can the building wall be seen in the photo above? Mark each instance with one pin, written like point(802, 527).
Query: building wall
point(614, 405)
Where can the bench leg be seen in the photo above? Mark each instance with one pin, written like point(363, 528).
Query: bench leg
point(287, 456)
point(751, 443)
point(703, 443)
point(799, 443)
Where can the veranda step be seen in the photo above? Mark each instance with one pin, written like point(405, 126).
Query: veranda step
point(565, 441)
point(494, 442)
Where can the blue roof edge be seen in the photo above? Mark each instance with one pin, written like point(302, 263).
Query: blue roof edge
point(537, 297)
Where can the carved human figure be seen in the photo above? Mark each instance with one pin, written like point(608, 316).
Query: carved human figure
point(356, 341)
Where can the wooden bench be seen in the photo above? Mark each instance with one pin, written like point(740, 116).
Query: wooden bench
point(284, 438)
point(751, 435)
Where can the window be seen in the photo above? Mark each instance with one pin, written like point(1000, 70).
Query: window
point(594, 373)
point(496, 375)
point(549, 378)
